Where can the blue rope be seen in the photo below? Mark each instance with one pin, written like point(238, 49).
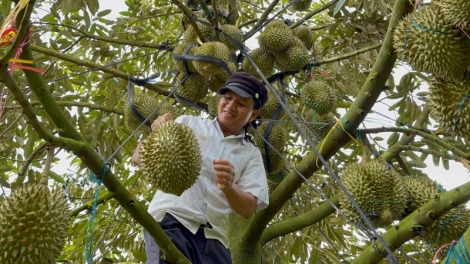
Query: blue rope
point(461, 256)
point(462, 103)
point(443, 225)
point(91, 222)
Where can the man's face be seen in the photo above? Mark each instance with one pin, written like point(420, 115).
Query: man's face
point(234, 112)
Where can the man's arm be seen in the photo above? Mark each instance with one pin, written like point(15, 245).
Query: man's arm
point(241, 202)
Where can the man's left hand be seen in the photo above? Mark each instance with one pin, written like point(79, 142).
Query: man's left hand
point(225, 172)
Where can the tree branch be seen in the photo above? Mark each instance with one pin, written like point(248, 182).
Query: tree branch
point(78, 104)
point(12, 125)
point(88, 205)
point(402, 164)
point(294, 224)
point(428, 151)
point(311, 14)
point(262, 18)
point(30, 159)
point(409, 227)
point(187, 12)
point(350, 54)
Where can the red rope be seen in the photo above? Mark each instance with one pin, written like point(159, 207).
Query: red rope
point(434, 260)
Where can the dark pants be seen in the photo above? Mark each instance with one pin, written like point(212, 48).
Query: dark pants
point(197, 248)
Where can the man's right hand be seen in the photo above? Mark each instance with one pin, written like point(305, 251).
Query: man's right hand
point(163, 118)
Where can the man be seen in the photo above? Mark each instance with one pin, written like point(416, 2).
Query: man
point(232, 177)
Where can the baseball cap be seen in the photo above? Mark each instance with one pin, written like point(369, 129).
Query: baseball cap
point(246, 85)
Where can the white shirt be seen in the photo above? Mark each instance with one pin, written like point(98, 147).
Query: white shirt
point(204, 203)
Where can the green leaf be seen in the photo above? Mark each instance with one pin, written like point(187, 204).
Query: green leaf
point(56, 177)
point(104, 13)
point(338, 6)
point(4, 183)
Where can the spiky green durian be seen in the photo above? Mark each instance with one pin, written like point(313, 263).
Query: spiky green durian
point(420, 190)
point(184, 65)
point(194, 87)
point(190, 35)
point(449, 104)
point(171, 158)
point(263, 59)
point(213, 104)
point(429, 44)
point(276, 136)
point(449, 227)
point(372, 185)
point(300, 5)
point(169, 106)
point(276, 36)
point(319, 95)
point(271, 106)
point(213, 49)
point(456, 12)
point(275, 163)
point(294, 57)
point(235, 33)
point(145, 104)
point(319, 124)
point(33, 225)
point(304, 33)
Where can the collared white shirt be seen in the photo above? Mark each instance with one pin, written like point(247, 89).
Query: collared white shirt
point(204, 203)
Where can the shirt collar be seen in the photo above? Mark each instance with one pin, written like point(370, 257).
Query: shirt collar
point(241, 132)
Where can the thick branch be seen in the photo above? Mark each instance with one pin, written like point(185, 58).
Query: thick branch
point(88, 205)
point(350, 54)
point(78, 104)
point(92, 65)
point(294, 224)
point(314, 12)
point(409, 227)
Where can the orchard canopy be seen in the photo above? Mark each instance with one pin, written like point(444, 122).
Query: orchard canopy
point(344, 142)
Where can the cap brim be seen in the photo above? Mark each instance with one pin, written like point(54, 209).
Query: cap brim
point(240, 92)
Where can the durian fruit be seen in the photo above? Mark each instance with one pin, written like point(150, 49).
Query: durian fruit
point(277, 135)
point(171, 158)
point(449, 104)
point(449, 226)
point(376, 190)
point(263, 59)
point(420, 191)
point(190, 35)
point(275, 165)
point(429, 44)
point(194, 87)
point(319, 124)
point(271, 106)
point(235, 33)
point(276, 36)
point(218, 80)
point(304, 33)
point(145, 104)
point(456, 12)
point(294, 57)
point(213, 49)
point(319, 95)
point(300, 5)
point(169, 107)
point(272, 187)
point(180, 64)
point(213, 104)
point(33, 225)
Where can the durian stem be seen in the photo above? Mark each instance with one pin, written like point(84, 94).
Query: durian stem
point(402, 165)
point(187, 12)
point(261, 19)
point(465, 163)
point(216, 19)
point(47, 165)
point(233, 12)
point(314, 12)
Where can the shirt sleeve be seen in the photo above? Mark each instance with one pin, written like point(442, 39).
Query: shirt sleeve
point(253, 180)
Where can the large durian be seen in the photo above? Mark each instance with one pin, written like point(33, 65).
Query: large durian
point(169, 107)
point(275, 163)
point(171, 158)
point(429, 44)
point(377, 191)
point(213, 49)
point(319, 95)
point(145, 104)
point(263, 59)
point(449, 104)
point(276, 36)
point(184, 65)
point(319, 124)
point(300, 5)
point(449, 226)
point(194, 87)
point(294, 57)
point(277, 135)
point(456, 12)
point(420, 190)
point(235, 33)
point(33, 225)
point(206, 28)
point(304, 33)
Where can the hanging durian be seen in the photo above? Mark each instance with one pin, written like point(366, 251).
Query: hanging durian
point(194, 87)
point(235, 33)
point(171, 158)
point(169, 107)
point(319, 124)
point(429, 44)
point(145, 104)
point(216, 50)
point(277, 135)
point(33, 225)
point(304, 33)
point(456, 12)
point(271, 106)
point(263, 59)
point(276, 36)
point(319, 95)
point(294, 57)
point(184, 65)
point(300, 5)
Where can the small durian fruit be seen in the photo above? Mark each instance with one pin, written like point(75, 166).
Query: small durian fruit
point(235, 33)
point(293, 58)
point(448, 101)
point(319, 95)
point(213, 104)
point(145, 104)
point(276, 36)
point(194, 87)
point(429, 44)
point(372, 185)
point(184, 65)
point(455, 12)
point(171, 158)
point(169, 106)
point(304, 33)
point(300, 5)
point(450, 226)
point(271, 106)
point(277, 135)
point(208, 32)
point(319, 124)
point(213, 49)
point(275, 163)
point(33, 225)
point(263, 59)
point(420, 190)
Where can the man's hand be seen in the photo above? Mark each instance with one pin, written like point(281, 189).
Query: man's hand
point(225, 172)
point(163, 118)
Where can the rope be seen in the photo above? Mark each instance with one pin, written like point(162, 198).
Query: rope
point(448, 220)
point(462, 257)
point(307, 102)
point(461, 105)
point(91, 223)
